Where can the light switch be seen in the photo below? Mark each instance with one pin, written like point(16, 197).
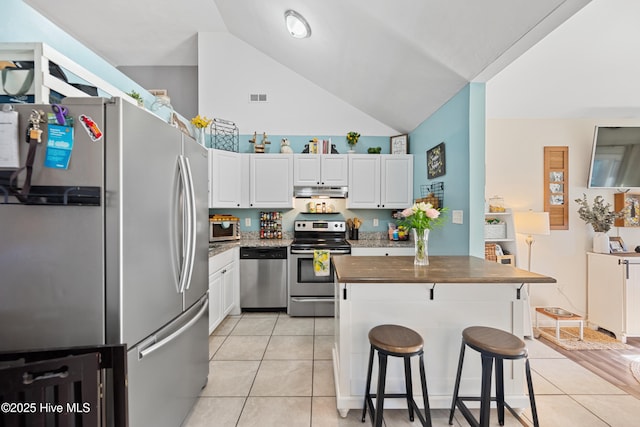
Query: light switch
point(375, 222)
point(247, 222)
point(456, 217)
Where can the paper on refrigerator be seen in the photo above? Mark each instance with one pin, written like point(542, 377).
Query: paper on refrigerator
point(9, 154)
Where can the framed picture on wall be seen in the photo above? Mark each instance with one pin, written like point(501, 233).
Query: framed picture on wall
point(399, 144)
point(436, 161)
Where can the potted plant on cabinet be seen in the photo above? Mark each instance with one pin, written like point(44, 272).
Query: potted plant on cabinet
point(352, 140)
point(601, 218)
point(135, 95)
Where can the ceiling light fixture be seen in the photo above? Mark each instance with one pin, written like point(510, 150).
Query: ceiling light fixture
point(297, 26)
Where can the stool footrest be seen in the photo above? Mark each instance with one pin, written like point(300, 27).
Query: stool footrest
point(372, 410)
point(464, 410)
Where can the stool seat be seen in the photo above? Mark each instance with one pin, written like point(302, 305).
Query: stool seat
point(396, 339)
point(495, 341)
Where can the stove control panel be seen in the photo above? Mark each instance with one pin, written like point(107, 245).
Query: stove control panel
point(319, 226)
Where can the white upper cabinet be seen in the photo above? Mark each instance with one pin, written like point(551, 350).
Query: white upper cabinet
point(225, 181)
point(380, 181)
point(313, 170)
point(364, 181)
point(396, 188)
point(271, 181)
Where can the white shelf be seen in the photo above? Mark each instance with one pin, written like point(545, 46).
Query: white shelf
point(44, 82)
point(509, 242)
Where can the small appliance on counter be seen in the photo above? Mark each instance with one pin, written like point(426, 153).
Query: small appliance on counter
point(223, 228)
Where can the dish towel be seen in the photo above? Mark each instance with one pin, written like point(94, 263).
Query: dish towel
point(321, 262)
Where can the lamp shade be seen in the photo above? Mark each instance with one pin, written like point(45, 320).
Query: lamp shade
point(532, 223)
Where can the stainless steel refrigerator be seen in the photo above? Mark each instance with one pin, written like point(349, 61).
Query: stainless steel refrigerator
point(110, 247)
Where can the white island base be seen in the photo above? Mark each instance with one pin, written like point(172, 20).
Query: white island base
point(438, 312)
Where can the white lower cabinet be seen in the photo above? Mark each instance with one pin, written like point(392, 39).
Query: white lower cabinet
point(613, 293)
point(215, 296)
point(381, 251)
point(224, 287)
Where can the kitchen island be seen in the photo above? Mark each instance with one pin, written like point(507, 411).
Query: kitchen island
point(438, 301)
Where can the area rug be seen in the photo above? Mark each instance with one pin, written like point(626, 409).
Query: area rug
point(593, 340)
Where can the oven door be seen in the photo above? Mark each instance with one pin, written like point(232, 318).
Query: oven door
point(303, 280)
point(309, 295)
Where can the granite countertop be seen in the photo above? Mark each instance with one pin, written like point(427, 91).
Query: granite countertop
point(220, 247)
point(380, 243)
point(441, 269)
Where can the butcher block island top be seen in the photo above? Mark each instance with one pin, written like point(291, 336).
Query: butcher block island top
point(441, 269)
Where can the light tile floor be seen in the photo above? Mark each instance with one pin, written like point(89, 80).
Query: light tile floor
point(268, 369)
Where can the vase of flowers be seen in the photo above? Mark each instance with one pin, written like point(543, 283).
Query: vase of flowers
point(421, 218)
point(601, 217)
point(352, 140)
point(201, 123)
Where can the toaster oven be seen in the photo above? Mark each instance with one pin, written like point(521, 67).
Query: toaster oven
point(223, 228)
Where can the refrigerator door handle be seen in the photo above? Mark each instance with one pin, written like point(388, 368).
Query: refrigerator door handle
point(187, 225)
point(147, 351)
point(193, 223)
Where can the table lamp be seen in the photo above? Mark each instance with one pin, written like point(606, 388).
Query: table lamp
point(532, 223)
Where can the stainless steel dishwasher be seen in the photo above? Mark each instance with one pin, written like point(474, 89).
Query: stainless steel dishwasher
point(263, 278)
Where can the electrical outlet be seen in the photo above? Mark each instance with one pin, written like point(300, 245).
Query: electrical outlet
point(247, 222)
point(375, 222)
point(456, 217)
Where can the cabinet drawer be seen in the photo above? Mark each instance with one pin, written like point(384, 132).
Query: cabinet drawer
point(218, 261)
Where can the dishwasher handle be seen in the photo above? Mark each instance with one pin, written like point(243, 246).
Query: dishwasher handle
point(270, 252)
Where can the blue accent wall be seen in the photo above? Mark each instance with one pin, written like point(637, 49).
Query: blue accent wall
point(460, 125)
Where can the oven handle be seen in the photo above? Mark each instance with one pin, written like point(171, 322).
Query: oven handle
point(317, 299)
point(331, 251)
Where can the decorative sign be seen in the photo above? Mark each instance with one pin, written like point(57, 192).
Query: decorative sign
point(399, 144)
point(436, 161)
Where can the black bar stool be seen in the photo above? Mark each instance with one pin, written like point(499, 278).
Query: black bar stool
point(493, 344)
point(394, 340)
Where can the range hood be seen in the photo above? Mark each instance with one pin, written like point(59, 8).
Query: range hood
point(331, 192)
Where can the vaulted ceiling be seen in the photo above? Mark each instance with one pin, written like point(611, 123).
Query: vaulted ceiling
point(397, 61)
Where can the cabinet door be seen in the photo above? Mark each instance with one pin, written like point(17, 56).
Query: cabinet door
point(605, 293)
point(271, 181)
point(306, 169)
point(215, 300)
point(229, 274)
point(225, 179)
point(334, 170)
point(396, 181)
point(364, 181)
point(632, 273)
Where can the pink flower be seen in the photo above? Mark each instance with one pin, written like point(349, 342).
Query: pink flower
point(407, 212)
point(432, 213)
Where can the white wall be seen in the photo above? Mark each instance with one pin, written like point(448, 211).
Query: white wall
point(229, 70)
point(514, 164)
